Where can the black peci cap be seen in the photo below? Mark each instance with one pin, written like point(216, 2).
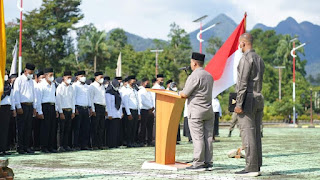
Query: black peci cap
point(30, 66)
point(198, 56)
point(98, 74)
point(81, 73)
point(169, 81)
point(67, 73)
point(48, 70)
point(160, 76)
point(118, 78)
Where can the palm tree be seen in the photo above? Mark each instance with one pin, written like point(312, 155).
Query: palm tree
point(93, 44)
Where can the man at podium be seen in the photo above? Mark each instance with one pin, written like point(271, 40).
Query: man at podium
point(198, 90)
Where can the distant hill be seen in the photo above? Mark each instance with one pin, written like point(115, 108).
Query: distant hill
point(222, 30)
point(139, 43)
point(307, 32)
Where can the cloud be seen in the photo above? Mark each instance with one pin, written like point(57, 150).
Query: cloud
point(152, 18)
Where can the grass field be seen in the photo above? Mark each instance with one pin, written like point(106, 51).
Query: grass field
point(288, 153)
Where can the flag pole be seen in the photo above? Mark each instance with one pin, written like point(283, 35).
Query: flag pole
point(20, 41)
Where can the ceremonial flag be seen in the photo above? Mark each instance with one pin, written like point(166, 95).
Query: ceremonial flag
point(223, 65)
point(14, 60)
point(3, 50)
point(118, 70)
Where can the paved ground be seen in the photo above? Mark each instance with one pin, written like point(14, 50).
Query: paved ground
point(288, 153)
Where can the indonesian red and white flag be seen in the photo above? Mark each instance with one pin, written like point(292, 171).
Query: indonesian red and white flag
point(223, 65)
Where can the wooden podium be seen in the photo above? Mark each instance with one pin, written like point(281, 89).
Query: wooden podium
point(169, 106)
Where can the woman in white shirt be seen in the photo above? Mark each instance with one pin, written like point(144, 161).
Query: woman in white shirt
point(114, 101)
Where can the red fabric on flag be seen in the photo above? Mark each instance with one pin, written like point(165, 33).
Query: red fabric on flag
point(217, 63)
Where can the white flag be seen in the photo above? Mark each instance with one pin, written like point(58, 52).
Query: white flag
point(118, 70)
point(14, 60)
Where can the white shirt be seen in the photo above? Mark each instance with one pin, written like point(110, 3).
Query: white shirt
point(46, 94)
point(65, 99)
point(23, 91)
point(216, 106)
point(122, 91)
point(111, 106)
point(36, 91)
point(9, 100)
point(97, 95)
point(185, 111)
point(145, 99)
point(155, 86)
point(131, 100)
point(81, 94)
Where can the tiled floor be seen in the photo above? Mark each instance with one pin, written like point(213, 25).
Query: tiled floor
point(288, 153)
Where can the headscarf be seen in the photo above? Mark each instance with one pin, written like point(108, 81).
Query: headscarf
point(113, 90)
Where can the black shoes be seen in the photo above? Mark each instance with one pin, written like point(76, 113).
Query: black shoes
point(196, 168)
point(61, 149)
point(45, 150)
point(4, 153)
point(29, 151)
point(53, 151)
point(208, 166)
point(248, 174)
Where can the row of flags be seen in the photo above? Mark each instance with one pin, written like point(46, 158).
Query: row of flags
point(222, 67)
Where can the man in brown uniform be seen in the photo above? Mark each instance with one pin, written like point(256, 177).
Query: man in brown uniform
point(249, 105)
point(198, 90)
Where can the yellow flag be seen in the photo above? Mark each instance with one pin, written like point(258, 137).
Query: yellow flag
point(3, 50)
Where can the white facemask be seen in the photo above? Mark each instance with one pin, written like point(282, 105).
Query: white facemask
point(121, 84)
point(174, 89)
point(51, 79)
point(68, 81)
point(83, 79)
point(101, 81)
point(6, 77)
point(29, 76)
point(106, 86)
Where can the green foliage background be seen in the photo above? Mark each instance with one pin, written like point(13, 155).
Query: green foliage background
point(47, 41)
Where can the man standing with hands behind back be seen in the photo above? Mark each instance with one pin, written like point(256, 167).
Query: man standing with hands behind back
point(198, 90)
point(249, 105)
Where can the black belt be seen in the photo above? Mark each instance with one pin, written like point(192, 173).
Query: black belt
point(67, 109)
point(83, 107)
point(49, 103)
point(27, 103)
point(99, 105)
point(5, 105)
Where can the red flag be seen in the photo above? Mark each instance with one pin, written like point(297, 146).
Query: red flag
point(223, 65)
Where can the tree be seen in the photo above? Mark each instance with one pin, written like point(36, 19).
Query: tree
point(92, 44)
point(118, 38)
point(214, 44)
point(46, 39)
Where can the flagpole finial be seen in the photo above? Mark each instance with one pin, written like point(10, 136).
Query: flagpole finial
point(245, 14)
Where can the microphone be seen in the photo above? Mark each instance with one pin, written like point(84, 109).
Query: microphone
point(184, 68)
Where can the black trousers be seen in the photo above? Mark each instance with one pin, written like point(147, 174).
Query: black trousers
point(82, 128)
point(216, 124)
point(65, 128)
point(12, 136)
point(36, 132)
point(178, 133)
point(98, 126)
point(24, 127)
point(186, 130)
point(48, 129)
point(146, 128)
point(124, 126)
point(113, 139)
point(132, 127)
point(4, 127)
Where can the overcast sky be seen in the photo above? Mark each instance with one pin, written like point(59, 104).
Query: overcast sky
point(151, 18)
